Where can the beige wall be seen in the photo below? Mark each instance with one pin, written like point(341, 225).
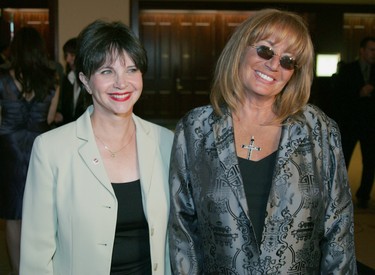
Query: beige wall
point(74, 15)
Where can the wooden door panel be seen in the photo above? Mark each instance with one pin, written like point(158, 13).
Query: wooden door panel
point(196, 56)
point(184, 81)
point(202, 61)
point(166, 66)
point(181, 50)
point(156, 100)
point(229, 22)
point(356, 27)
point(146, 105)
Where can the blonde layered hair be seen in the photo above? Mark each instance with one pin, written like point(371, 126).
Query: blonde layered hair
point(227, 87)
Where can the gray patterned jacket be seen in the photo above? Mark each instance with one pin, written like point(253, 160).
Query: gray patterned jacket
point(309, 226)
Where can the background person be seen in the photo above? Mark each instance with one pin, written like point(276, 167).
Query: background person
point(355, 97)
point(28, 98)
point(4, 43)
point(258, 180)
point(96, 197)
point(73, 101)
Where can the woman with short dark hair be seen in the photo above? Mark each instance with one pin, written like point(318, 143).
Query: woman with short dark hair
point(96, 197)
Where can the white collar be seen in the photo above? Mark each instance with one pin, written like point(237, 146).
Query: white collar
point(71, 77)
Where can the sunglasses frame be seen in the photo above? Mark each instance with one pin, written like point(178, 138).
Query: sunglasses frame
point(282, 58)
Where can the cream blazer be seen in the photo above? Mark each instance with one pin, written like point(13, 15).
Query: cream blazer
point(70, 208)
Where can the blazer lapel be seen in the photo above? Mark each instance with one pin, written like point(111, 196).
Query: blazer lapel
point(224, 140)
point(89, 151)
point(292, 135)
point(146, 149)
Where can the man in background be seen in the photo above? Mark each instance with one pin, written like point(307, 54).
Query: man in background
point(355, 115)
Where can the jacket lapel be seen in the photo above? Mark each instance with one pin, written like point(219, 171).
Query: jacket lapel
point(89, 151)
point(292, 135)
point(146, 149)
point(224, 140)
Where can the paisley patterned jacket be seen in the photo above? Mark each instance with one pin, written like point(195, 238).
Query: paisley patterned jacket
point(309, 226)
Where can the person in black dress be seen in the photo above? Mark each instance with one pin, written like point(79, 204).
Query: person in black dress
point(28, 98)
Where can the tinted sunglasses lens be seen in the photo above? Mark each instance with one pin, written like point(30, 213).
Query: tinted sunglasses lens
point(265, 52)
point(287, 62)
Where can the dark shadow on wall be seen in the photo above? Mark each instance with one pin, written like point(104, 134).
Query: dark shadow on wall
point(364, 270)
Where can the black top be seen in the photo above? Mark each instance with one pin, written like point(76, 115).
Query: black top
point(257, 180)
point(131, 250)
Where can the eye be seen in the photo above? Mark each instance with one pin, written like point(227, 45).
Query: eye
point(105, 71)
point(133, 69)
point(288, 62)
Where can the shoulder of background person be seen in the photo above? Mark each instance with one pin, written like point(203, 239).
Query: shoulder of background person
point(5, 65)
point(354, 65)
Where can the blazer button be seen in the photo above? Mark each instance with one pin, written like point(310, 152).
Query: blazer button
point(155, 267)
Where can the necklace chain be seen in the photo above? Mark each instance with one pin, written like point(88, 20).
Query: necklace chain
point(114, 153)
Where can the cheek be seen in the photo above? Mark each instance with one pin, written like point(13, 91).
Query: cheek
point(97, 84)
point(247, 77)
point(285, 80)
point(138, 82)
point(287, 75)
point(244, 71)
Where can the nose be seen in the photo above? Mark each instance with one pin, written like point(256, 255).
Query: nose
point(120, 81)
point(70, 58)
point(274, 62)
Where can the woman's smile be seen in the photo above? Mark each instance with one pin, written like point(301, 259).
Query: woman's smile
point(264, 76)
point(121, 97)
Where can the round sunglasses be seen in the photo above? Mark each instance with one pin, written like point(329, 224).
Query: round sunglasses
point(265, 52)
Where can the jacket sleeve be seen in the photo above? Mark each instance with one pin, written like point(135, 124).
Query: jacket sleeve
point(38, 238)
point(185, 249)
point(337, 246)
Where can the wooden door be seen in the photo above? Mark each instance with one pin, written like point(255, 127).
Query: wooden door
point(181, 55)
point(182, 48)
point(356, 27)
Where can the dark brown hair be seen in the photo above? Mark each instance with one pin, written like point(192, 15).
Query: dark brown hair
point(30, 62)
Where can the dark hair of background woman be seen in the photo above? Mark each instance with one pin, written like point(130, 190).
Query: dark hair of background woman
point(30, 62)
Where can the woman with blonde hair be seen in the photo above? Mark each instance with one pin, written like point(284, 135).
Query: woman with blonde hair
point(258, 179)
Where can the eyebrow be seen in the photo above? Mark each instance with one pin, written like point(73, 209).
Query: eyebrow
point(272, 43)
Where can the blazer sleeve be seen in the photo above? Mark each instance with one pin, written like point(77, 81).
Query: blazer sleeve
point(38, 238)
point(185, 248)
point(337, 246)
